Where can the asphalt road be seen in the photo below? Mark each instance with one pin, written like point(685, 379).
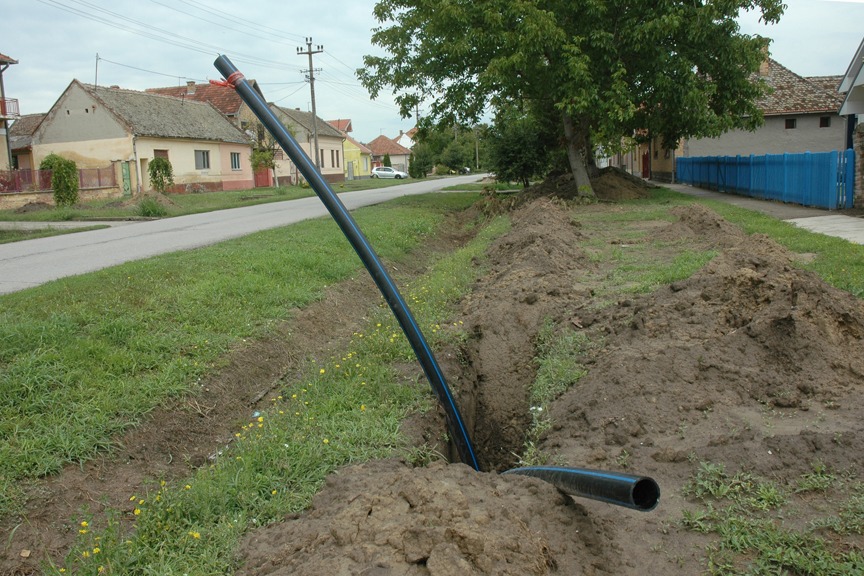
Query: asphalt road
point(33, 262)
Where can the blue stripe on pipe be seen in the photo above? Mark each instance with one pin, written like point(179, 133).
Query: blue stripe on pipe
point(367, 255)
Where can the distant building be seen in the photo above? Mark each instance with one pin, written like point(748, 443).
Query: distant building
point(97, 126)
point(383, 146)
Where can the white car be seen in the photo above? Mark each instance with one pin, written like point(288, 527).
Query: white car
point(387, 172)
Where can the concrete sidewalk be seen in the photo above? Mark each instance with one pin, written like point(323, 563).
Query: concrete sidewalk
point(813, 219)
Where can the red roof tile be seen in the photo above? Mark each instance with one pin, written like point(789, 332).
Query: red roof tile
point(793, 94)
point(383, 145)
point(341, 125)
point(225, 99)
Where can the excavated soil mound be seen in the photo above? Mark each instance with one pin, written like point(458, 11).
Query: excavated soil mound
point(445, 520)
point(749, 363)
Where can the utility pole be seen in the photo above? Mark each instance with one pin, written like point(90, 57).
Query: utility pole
point(96, 79)
point(310, 52)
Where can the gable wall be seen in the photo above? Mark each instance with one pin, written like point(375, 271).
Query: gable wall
point(774, 138)
point(77, 117)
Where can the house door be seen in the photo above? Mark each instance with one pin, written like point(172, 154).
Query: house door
point(646, 165)
point(350, 170)
point(127, 179)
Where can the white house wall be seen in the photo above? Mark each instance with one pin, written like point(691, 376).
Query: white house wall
point(774, 138)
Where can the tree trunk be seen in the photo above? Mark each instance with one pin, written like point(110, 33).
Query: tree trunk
point(576, 157)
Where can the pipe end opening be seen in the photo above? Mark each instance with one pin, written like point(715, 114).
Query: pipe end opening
point(646, 494)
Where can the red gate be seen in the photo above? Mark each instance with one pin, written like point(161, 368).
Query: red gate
point(263, 178)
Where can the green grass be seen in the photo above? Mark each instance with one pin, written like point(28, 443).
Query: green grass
point(84, 358)
point(748, 516)
point(559, 350)
point(343, 410)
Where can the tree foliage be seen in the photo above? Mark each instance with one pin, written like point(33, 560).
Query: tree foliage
point(263, 158)
point(518, 149)
point(64, 179)
point(386, 161)
point(421, 161)
point(161, 174)
point(605, 68)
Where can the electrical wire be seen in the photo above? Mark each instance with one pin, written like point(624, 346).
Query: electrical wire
point(178, 77)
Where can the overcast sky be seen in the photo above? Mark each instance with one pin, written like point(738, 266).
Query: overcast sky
point(150, 43)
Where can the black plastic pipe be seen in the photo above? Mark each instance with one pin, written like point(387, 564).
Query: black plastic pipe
point(364, 250)
point(636, 492)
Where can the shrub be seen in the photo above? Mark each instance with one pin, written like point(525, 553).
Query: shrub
point(64, 179)
point(161, 174)
point(151, 208)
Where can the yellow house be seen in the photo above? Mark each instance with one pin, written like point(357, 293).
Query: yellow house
point(358, 158)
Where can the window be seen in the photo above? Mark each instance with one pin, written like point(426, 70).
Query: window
point(825, 122)
point(235, 161)
point(790, 123)
point(160, 154)
point(337, 158)
point(332, 158)
point(202, 159)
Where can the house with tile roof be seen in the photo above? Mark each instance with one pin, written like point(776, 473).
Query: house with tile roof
point(383, 146)
point(97, 126)
point(223, 98)
point(801, 115)
point(358, 157)
point(21, 141)
point(406, 139)
point(302, 126)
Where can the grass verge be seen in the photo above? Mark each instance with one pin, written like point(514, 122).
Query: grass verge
point(182, 204)
point(345, 410)
point(84, 358)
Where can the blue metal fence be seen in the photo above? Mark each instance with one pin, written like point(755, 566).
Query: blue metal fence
point(823, 179)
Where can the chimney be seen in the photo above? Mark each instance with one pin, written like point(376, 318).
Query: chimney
point(764, 67)
point(190, 87)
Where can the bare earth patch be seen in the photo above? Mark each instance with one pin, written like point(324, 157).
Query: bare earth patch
point(751, 362)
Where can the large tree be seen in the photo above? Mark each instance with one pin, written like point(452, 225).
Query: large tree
point(605, 68)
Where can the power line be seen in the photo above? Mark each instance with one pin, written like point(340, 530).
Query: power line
point(179, 77)
point(256, 26)
point(149, 31)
